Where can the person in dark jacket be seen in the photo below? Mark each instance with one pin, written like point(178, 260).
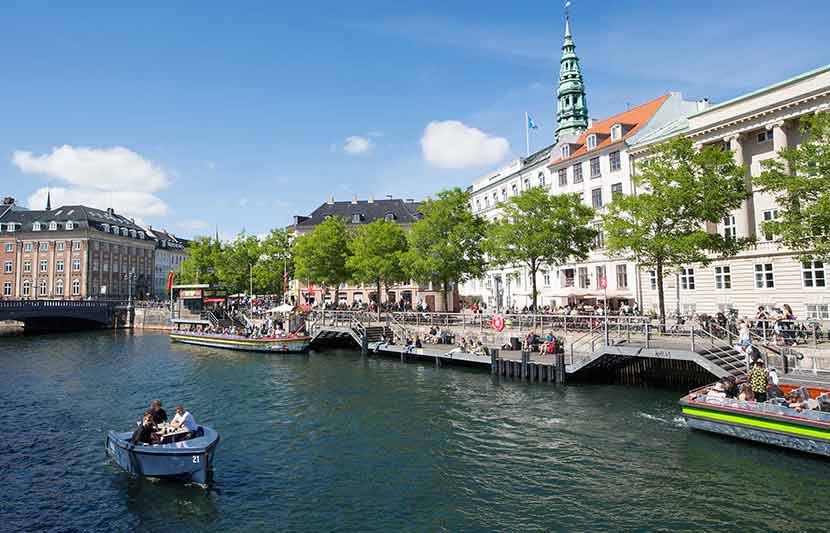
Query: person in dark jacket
point(144, 433)
point(159, 415)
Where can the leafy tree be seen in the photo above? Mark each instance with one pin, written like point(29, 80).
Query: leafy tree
point(446, 245)
point(376, 250)
point(203, 254)
point(237, 259)
point(320, 256)
point(664, 226)
point(800, 182)
point(274, 259)
point(538, 229)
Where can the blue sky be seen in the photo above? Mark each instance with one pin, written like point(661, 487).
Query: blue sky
point(192, 115)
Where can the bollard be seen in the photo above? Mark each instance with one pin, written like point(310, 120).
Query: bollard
point(494, 356)
point(364, 345)
point(525, 361)
point(560, 367)
point(437, 362)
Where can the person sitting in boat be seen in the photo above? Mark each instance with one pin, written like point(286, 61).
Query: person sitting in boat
point(746, 393)
point(158, 414)
point(717, 391)
point(730, 386)
point(759, 380)
point(184, 419)
point(143, 434)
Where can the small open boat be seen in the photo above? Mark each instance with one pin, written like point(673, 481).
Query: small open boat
point(190, 459)
point(290, 343)
point(778, 425)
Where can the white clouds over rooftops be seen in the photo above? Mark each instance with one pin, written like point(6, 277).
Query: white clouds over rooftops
point(134, 204)
point(357, 145)
point(453, 144)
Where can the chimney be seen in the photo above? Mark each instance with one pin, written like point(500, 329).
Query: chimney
point(331, 200)
point(410, 200)
point(354, 199)
point(591, 122)
point(110, 211)
point(371, 199)
point(388, 196)
point(8, 200)
point(703, 104)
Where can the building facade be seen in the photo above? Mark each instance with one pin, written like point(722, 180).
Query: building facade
point(168, 257)
point(73, 252)
point(356, 213)
point(754, 127)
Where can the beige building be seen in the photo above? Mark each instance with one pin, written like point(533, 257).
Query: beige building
point(754, 127)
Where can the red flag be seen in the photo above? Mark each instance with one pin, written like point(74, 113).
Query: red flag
point(170, 281)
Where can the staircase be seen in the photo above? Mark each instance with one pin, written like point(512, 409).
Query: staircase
point(727, 358)
point(377, 333)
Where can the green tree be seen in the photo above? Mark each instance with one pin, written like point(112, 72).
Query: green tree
point(446, 245)
point(799, 179)
point(320, 256)
point(203, 255)
point(376, 250)
point(538, 229)
point(237, 260)
point(274, 259)
point(681, 190)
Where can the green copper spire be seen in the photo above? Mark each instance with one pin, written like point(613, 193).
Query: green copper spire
point(571, 107)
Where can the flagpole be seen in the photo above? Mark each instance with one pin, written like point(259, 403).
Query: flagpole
point(527, 134)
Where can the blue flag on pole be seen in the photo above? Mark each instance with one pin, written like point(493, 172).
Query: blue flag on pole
point(530, 124)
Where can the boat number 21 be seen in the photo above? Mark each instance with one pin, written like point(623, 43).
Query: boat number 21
point(195, 458)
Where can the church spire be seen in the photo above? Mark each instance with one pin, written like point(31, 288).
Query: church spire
point(48, 200)
point(571, 108)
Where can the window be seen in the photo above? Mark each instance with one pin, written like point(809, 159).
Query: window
point(616, 191)
point(687, 279)
point(769, 216)
point(614, 158)
point(9, 247)
point(389, 216)
point(566, 150)
point(7, 267)
point(503, 194)
point(569, 277)
point(27, 266)
point(107, 266)
point(44, 265)
point(622, 276)
point(563, 177)
point(27, 287)
point(478, 204)
point(44, 247)
point(486, 201)
point(595, 173)
point(132, 233)
point(27, 247)
point(541, 179)
point(596, 198)
point(76, 287)
point(600, 272)
point(592, 141)
point(526, 182)
point(813, 274)
point(43, 288)
point(105, 227)
point(599, 238)
point(76, 245)
point(764, 276)
point(140, 234)
point(76, 265)
point(814, 311)
point(729, 228)
point(59, 265)
point(577, 169)
point(584, 282)
point(53, 226)
point(10, 228)
point(616, 132)
point(7, 288)
point(123, 232)
point(514, 189)
point(60, 245)
point(652, 280)
point(36, 226)
point(723, 277)
point(70, 225)
point(59, 288)
point(764, 136)
point(546, 278)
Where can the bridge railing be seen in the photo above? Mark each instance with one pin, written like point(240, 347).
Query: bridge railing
point(62, 304)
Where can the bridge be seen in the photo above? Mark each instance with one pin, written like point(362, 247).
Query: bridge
point(64, 314)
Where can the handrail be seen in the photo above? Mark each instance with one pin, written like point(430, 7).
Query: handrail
point(716, 353)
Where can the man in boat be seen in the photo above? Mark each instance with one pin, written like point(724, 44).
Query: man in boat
point(144, 432)
point(759, 380)
point(184, 419)
point(159, 415)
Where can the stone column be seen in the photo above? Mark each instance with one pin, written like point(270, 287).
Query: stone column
point(735, 142)
point(779, 135)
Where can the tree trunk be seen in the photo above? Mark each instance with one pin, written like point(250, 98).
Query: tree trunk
point(336, 295)
point(533, 268)
point(377, 282)
point(444, 296)
point(660, 295)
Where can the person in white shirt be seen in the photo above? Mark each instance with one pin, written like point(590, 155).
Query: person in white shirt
point(184, 419)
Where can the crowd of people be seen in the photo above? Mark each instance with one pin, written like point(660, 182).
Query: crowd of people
point(267, 329)
point(154, 422)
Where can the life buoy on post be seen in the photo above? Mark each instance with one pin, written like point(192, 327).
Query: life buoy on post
point(498, 323)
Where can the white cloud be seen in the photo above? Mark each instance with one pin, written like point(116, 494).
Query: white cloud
point(193, 224)
point(109, 169)
point(135, 204)
point(357, 145)
point(452, 144)
point(243, 202)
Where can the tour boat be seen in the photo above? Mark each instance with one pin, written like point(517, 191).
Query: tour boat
point(190, 459)
point(288, 344)
point(806, 430)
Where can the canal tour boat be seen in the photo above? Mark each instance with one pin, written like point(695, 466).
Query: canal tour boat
point(804, 430)
point(287, 344)
point(190, 460)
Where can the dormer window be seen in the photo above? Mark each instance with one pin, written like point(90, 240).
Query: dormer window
point(53, 226)
point(10, 228)
point(592, 141)
point(389, 216)
point(70, 225)
point(105, 227)
point(140, 234)
point(616, 132)
point(132, 233)
point(36, 226)
point(123, 232)
point(566, 150)
point(356, 218)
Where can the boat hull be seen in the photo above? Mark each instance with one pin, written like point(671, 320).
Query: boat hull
point(286, 345)
point(190, 460)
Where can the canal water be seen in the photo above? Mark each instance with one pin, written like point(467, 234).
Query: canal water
point(333, 441)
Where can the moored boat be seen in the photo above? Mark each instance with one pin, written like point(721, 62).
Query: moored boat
point(806, 430)
point(287, 344)
point(190, 460)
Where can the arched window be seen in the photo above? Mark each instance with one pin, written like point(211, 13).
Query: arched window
point(59, 288)
point(76, 287)
point(53, 226)
point(70, 225)
point(43, 288)
point(541, 179)
point(389, 216)
point(27, 287)
point(592, 141)
point(36, 226)
point(566, 150)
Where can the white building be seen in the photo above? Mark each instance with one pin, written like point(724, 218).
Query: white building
point(168, 257)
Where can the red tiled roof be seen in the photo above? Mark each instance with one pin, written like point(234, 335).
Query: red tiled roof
point(635, 117)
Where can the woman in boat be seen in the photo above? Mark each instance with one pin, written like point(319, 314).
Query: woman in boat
point(746, 393)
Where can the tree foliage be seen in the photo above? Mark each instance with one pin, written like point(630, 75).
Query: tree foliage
point(680, 191)
point(320, 256)
point(799, 179)
point(375, 254)
point(203, 256)
point(538, 229)
point(446, 245)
